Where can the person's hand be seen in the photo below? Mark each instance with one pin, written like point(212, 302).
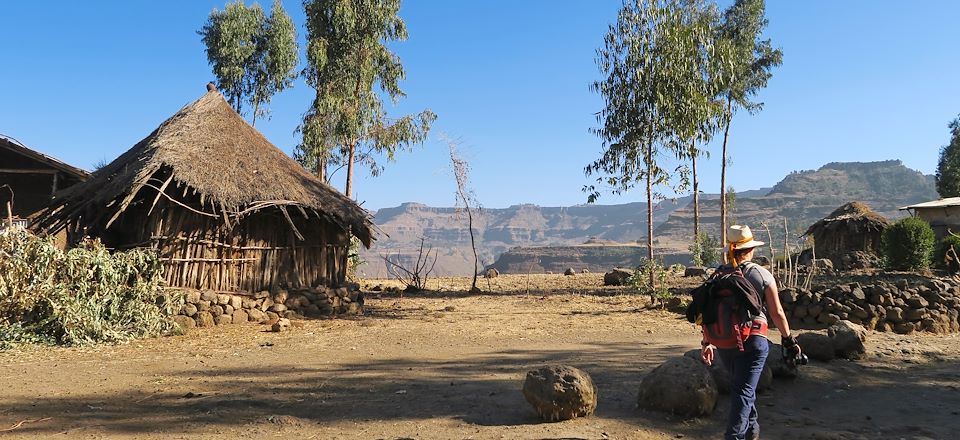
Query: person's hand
point(791, 350)
point(707, 354)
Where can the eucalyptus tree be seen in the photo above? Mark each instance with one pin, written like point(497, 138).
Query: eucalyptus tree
point(746, 73)
point(253, 56)
point(349, 66)
point(948, 167)
point(651, 104)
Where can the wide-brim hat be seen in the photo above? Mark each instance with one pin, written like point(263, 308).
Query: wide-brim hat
point(741, 237)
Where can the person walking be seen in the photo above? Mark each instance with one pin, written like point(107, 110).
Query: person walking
point(745, 356)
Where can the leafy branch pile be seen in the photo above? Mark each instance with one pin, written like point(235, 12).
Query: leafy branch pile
point(82, 296)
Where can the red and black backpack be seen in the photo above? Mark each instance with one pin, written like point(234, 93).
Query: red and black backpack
point(728, 307)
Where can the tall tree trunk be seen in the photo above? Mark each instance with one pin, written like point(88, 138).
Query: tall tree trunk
point(256, 109)
point(322, 168)
point(353, 149)
point(649, 160)
point(473, 244)
point(723, 177)
point(696, 192)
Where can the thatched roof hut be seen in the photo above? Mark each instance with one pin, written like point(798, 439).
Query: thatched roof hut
point(227, 210)
point(29, 179)
point(850, 228)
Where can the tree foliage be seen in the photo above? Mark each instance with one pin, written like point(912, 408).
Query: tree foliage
point(653, 61)
point(948, 168)
point(254, 56)
point(350, 67)
point(746, 72)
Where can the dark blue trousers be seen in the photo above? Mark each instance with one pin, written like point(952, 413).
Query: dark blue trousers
point(745, 368)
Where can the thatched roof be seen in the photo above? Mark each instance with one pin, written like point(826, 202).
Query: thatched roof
point(210, 148)
point(853, 217)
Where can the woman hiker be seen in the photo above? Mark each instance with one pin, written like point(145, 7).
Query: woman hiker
point(744, 359)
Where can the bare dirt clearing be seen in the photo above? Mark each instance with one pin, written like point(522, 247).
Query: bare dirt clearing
point(450, 365)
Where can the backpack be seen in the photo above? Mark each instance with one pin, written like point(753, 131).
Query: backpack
point(728, 307)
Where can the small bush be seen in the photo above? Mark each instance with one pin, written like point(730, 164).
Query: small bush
point(705, 250)
point(908, 244)
point(640, 280)
point(81, 296)
point(944, 259)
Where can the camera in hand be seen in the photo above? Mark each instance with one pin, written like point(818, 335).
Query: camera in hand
point(799, 359)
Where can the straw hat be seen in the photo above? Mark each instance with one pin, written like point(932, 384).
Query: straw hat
point(741, 237)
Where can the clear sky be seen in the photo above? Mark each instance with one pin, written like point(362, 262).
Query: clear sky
point(862, 80)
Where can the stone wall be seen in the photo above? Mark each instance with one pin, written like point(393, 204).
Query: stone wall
point(901, 305)
point(208, 308)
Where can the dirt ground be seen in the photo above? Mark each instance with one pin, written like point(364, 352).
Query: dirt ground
point(450, 366)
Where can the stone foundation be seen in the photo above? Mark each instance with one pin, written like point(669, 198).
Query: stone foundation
point(207, 308)
point(902, 306)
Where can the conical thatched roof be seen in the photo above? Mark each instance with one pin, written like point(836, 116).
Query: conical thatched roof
point(854, 217)
point(210, 148)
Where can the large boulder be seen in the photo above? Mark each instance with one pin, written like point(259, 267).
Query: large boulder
point(569, 272)
point(560, 392)
point(778, 367)
point(617, 277)
point(847, 339)
point(681, 386)
point(722, 377)
point(817, 346)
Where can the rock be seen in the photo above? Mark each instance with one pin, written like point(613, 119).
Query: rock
point(917, 302)
point(236, 302)
point(847, 339)
point(695, 271)
point(261, 294)
point(272, 316)
point(223, 299)
point(215, 310)
point(915, 315)
point(823, 264)
point(192, 296)
point(281, 325)
point(779, 368)
point(208, 295)
point(278, 308)
point(904, 328)
point(560, 392)
point(266, 304)
point(817, 346)
point(223, 319)
point(311, 310)
point(584, 270)
point(203, 306)
point(281, 297)
point(240, 316)
point(184, 322)
point(188, 309)
point(681, 386)
point(722, 377)
point(617, 277)
point(256, 315)
point(569, 271)
point(248, 303)
point(204, 319)
point(858, 294)
point(227, 309)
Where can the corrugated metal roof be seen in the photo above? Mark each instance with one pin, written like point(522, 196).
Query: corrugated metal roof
point(942, 203)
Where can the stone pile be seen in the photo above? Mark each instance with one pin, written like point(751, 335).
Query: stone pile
point(903, 306)
point(206, 308)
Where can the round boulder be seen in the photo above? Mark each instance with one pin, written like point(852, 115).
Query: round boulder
point(722, 377)
point(847, 340)
point(681, 386)
point(617, 277)
point(560, 392)
point(817, 346)
point(569, 271)
point(695, 271)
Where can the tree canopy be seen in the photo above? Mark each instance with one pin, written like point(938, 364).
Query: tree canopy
point(253, 56)
point(948, 167)
point(350, 67)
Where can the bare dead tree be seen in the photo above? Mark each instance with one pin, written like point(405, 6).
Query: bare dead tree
point(414, 278)
point(465, 197)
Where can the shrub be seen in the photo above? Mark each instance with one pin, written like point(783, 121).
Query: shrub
point(908, 244)
point(81, 296)
point(640, 280)
point(941, 253)
point(705, 250)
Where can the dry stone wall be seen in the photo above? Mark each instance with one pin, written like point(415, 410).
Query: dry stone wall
point(206, 308)
point(902, 306)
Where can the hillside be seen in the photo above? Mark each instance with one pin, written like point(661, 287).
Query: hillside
point(801, 197)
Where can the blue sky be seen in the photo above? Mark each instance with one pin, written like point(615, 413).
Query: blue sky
point(861, 81)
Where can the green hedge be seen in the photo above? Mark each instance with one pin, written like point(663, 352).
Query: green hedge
point(908, 245)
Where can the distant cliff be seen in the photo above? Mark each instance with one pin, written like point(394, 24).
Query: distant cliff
point(801, 198)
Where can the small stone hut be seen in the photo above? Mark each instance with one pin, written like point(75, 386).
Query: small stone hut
point(226, 209)
point(850, 228)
